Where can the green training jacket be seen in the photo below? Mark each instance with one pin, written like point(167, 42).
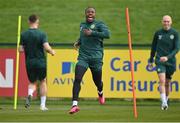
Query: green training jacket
point(165, 43)
point(92, 46)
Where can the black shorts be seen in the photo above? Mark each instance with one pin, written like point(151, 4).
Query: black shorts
point(36, 69)
point(35, 74)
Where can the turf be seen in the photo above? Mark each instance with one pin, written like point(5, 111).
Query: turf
point(61, 18)
point(91, 111)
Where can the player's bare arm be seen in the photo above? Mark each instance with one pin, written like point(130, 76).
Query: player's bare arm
point(48, 48)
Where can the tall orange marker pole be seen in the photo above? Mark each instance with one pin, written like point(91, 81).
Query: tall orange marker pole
point(131, 61)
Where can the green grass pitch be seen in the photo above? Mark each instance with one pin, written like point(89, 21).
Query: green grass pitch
point(91, 111)
point(61, 18)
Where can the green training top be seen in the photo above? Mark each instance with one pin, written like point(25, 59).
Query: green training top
point(32, 41)
point(92, 46)
point(165, 43)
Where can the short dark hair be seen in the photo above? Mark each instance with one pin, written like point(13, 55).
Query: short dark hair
point(33, 18)
point(89, 8)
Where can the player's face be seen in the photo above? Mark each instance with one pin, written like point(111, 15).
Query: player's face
point(166, 22)
point(90, 14)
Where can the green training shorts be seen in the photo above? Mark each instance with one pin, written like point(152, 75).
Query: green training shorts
point(95, 64)
point(167, 69)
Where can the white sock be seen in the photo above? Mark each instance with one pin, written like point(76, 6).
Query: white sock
point(167, 98)
point(100, 92)
point(75, 103)
point(30, 91)
point(43, 101)
point(163, 98)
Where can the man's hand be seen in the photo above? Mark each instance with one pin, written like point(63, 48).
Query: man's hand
point(87, 32)
point(163, 59)
point(150, 66)
point(48, 48)
point(53, 52)
point(76, 45)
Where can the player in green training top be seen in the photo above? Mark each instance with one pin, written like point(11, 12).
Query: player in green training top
point(165, 45)
point(33, 43)
point(90, 44)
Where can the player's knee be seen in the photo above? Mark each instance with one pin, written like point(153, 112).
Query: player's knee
point(162, 80)
point(162, 83)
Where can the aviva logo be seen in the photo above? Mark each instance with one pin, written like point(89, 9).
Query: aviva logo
point(68, 67)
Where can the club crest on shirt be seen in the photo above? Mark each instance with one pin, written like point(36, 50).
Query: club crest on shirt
point(171, 37)
point(92, 26)
point(159, 37)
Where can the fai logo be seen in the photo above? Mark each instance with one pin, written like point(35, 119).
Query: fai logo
point(92, 26)
point(171, 37)
point(159, 37)
point(158, 70)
